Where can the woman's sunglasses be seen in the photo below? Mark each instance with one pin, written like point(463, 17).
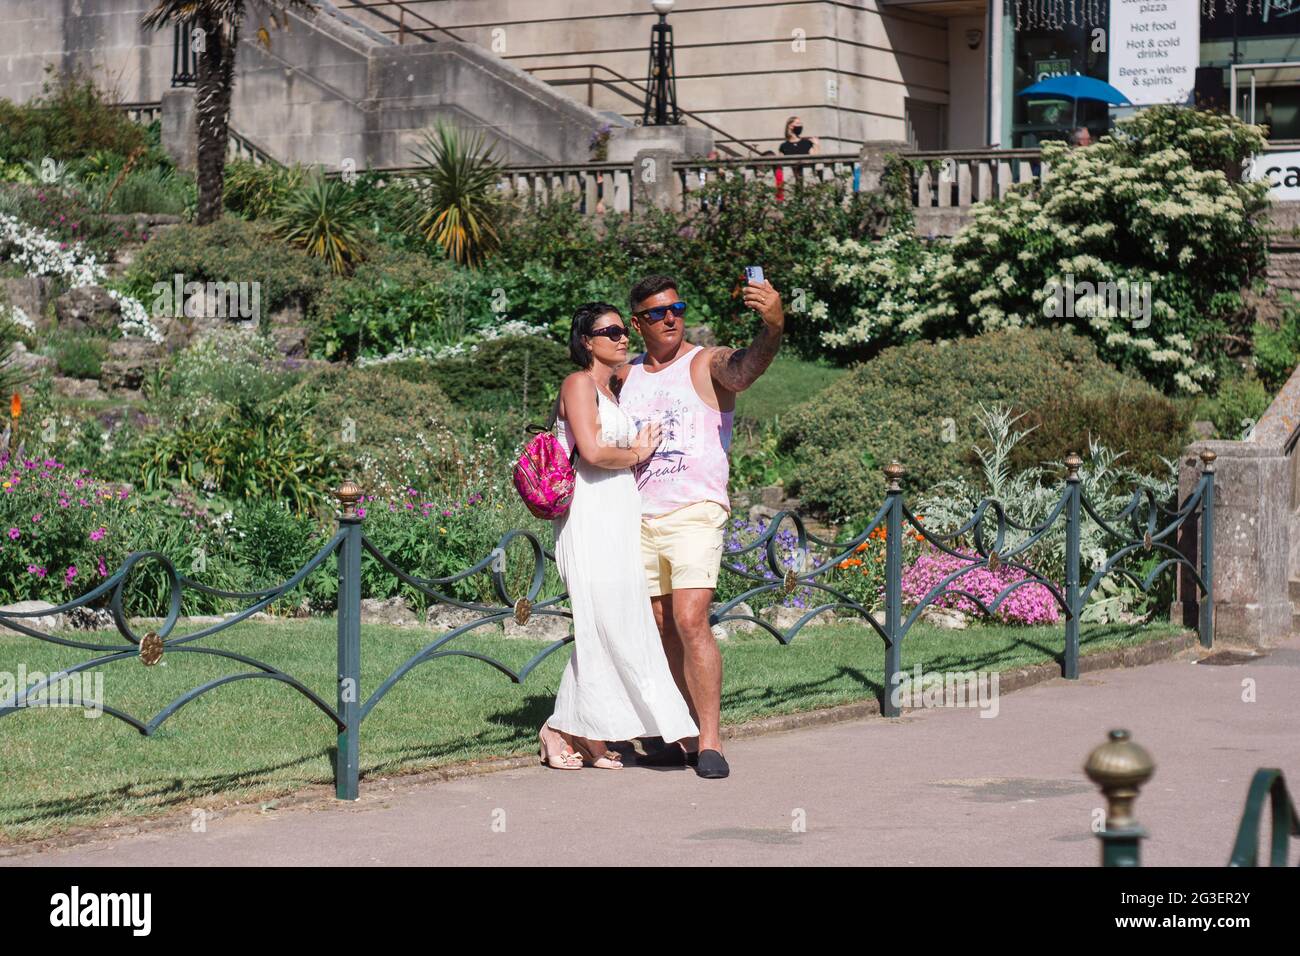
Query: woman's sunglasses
point(658, 313)
point(611, 332)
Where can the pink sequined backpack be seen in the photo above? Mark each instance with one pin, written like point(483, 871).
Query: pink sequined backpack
point(544, 475)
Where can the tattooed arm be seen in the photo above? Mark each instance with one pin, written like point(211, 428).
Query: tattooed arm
point(737, 369)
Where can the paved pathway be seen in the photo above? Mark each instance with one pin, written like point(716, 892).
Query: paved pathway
point(938, 787)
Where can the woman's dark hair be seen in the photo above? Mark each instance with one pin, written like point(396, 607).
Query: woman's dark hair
point(584, 319)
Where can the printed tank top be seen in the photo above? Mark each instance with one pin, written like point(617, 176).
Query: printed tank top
point(690, 463)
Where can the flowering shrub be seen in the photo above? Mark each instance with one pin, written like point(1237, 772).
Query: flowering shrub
point(1031, 604)
point(40, 255)
point(741, 532)
point(877, 291)
point(862, 575)
point(1159, 200)
point(60, 531)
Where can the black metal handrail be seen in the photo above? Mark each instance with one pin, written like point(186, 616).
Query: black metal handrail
point(614, 87)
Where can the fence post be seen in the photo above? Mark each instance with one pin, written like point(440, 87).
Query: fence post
point(1206, 622)
point(346, 766)
point(1072, 465)
point(1120, 768)
point(893, 587)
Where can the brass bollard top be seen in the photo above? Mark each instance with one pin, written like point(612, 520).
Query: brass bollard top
point(1120, 768)
point(1072, 465)
point(894, 473)
point(1207, 459)
point(348, 494)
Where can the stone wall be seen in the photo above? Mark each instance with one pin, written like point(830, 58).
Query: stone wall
point(1256, 526)
point(323, 90)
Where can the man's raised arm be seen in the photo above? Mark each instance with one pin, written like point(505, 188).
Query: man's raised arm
point(737, 369)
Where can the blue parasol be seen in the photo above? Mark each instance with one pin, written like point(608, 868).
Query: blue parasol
point(1076, 87)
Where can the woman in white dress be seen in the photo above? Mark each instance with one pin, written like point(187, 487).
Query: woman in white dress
point(617, 684)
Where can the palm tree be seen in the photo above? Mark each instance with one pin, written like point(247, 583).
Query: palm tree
point(458, 205)
point(219, 21)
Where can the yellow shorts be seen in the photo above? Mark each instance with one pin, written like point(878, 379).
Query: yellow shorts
point(683, 548)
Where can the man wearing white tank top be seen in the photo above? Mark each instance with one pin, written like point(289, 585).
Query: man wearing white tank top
point(691, 391)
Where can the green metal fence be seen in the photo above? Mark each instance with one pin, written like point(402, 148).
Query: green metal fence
point(1144, 526)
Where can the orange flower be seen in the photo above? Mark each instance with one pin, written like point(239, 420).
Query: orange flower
point(15, 406)
point(919, 537)
point(861, 547)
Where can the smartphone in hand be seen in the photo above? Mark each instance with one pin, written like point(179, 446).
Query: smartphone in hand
point(754, 273)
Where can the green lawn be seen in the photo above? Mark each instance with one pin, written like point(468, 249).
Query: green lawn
point(256, 739)
point(787, 382)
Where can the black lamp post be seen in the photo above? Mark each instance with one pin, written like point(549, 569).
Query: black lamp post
point(661, 89)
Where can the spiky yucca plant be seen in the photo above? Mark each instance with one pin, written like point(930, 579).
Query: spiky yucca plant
point(323, 217)
point(458, 205)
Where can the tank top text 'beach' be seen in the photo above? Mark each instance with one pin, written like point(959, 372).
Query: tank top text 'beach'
point(690, 463)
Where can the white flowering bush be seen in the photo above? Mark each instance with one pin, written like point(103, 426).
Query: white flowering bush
point(1158, 205)
point(40, 255)
point(506, 330)
point(877, 292)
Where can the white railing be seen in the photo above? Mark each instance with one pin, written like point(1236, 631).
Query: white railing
point(599, 187)
point(961, 178)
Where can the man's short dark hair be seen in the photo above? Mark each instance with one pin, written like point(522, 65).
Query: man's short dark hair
point(650, 285)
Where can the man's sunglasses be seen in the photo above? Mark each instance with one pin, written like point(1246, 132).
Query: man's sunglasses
point(659, 312)
point(611, 332)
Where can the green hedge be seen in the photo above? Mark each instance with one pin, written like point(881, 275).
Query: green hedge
point(229, 250)
point(916, 402)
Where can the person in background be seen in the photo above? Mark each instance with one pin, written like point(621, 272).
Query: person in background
point(796, 144)
point(1081, 137)
point(780, 177)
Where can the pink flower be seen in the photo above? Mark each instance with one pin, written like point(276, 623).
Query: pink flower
point(14, 534)
point(38, 571)
point(98, 534)
point(361, 512)
point(36, 518)
point(103, 570)
point(69, 574)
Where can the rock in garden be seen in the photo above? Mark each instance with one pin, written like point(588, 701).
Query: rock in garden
point(728, 628)
point(87, 309)
point(291, 341)
point(540, 627)
point(128, 363)
point(948, 618)
point(90, 619)
point(30, 361)
point(50, 622)
point(761, 514)
point(82, 388)
point(29, 293)
point(772, 496)
point(782, 617)
point(446, 617)
point(390, 611)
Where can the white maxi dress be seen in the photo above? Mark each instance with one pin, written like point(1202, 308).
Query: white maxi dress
point(617, 685)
